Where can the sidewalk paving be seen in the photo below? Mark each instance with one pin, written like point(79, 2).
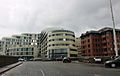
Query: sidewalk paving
point(90, 64)
point(6, 68)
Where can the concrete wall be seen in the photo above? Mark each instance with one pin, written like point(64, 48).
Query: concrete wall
point(7, 60)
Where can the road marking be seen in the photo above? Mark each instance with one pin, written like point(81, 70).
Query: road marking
point(43, 74)
point(96, 75)
point(2, 75)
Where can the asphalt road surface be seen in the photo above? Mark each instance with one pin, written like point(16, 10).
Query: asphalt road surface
point(60, 69)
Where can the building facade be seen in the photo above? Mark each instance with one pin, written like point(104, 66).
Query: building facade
point(51, 43)
point(20, 45)
point(57, 43)
point(99, 43)
point(78, 46)
point(1, 47)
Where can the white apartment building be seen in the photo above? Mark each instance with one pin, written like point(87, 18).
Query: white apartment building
point(57, 43)
point(22, 45)
point(50, 43)
point(1, 47)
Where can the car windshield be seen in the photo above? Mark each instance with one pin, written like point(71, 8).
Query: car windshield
point(118, 58)
point(59, 37)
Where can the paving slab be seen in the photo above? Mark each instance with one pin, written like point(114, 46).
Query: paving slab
point(91, 64)
point(6, 68)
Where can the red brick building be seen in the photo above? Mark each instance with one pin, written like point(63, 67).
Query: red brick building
point(99, 43)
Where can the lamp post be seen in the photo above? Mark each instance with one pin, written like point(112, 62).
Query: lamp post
point(114, 33)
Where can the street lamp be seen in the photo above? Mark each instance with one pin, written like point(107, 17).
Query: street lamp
point(114, 33)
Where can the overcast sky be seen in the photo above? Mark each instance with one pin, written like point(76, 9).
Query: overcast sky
point(18, 16)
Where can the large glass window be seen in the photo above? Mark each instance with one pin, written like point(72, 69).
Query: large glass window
point(60, 51)
point(73, 55)
point(73, 49)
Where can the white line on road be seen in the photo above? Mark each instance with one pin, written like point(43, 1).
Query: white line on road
point(1, 75)
point(43, 74)
point(97, 75)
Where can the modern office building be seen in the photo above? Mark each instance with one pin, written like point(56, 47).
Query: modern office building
point(23, 45)
point(1, 47)
point(35, 42)
point(99, 43)
point(57, 43)
point(51, 43)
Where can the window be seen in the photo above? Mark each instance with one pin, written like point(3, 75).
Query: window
point(89, 51)
point(73, 55)
point(88, 40)
point(53, 34)
point(26, 53)
point(73, 49)
point(17, 49)
point(32, 49)
point(64, 39)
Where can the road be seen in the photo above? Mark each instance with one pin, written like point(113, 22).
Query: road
point(60, 69)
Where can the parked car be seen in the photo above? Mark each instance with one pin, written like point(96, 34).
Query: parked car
point(113, 63)
point(59, 59)
point(31, 59)
point(98, 60)
point(37, 59)
point(21, 59)
point(66, 60)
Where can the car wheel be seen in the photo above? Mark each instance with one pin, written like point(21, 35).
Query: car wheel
point(113, 65)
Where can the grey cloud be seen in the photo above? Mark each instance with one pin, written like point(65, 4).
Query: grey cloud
point(76, 15)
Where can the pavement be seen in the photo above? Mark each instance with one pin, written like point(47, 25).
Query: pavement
point(90, 64)
point(53, 68)
point(7, 68)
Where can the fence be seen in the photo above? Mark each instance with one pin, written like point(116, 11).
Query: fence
point(7, 60)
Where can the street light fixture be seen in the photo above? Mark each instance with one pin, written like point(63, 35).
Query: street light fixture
point(114, 33)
